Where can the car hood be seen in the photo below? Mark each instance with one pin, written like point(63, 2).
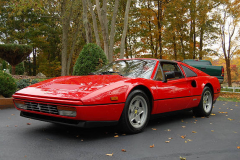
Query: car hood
point(75, 87)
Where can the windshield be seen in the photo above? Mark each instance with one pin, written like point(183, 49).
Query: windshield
point(129, 68)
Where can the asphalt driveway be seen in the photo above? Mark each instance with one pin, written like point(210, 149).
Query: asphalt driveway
point(166, 138)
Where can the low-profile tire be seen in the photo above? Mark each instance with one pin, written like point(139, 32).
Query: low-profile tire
point(206, 104)
point(136, 112)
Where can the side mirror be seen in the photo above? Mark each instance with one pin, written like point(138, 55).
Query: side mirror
point(169, 75)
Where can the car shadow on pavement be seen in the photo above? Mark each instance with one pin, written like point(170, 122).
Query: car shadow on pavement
point(66, 132)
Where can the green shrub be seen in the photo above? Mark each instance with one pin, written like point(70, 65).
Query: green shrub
point(8, 85)
point(91, 58)
point(25, 82)
point(4, 65)
point(19, 70)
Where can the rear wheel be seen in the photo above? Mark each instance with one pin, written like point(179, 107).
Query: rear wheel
point(136, 112)
point(206, 104)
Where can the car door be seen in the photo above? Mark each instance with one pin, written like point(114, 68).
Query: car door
point(195, 88)
point(173, 94)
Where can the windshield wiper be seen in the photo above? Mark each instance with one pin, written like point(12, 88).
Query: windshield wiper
point(110, 72)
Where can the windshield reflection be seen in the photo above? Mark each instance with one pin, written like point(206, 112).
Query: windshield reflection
point(129, 68)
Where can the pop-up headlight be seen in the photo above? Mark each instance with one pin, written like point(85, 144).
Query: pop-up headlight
point(67, 111)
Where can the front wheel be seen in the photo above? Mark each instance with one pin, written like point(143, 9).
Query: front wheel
point(206, 104)
point(136, 112)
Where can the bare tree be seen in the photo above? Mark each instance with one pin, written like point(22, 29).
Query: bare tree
point(95, 27)
point(85, 22)
point(65, 26)
point(228, 31)
point(125, 29)
point(102, 15)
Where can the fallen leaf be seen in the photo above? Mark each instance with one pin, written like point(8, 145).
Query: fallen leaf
point(183, 126)
point(194, 117)
point(110, 155)
point(167, 141)
point(236, 105)
point(189, 140)
point(238, 147)
point(210, 123)
point(6, 125)
point(195, 122)
point(212, 130)
point(28, 123)
point(15, 125)
point(152, 146)
point(124, 134)
point(12, 114)
point(170, 138)
point(213, 114)
point(185, 141)
point(222, 112)
point(230, 119)
point(77, 136)
point(116, 136)
point(182, 120)
point(202, 117)
point(123, 150)
point(49, 139)
point(231, 109)
point(234, 132)
point(183, 136)
point(82, 140)
point(154, 129)
point(194, 132)
point(168, 130)
point(182, 158)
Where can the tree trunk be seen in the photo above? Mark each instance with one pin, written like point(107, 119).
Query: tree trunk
point(228, 64)
point(174, 46)
point(194, 39)
point(103, 25)
point(160, 18)
point(13, 69)
point(65, 26)
point(201, 44)
point(72, 48)
point(95, 27)
point(182, 45)
point(125, 29)
point(112, 33)
point(85, 22)
point(34, 61)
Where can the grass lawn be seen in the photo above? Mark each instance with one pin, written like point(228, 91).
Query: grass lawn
point(233, 97)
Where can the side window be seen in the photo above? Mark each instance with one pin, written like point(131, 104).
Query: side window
point(188, 72)
point(159, 75)
point(168, 67)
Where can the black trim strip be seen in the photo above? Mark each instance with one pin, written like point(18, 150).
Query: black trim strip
point(175, 98)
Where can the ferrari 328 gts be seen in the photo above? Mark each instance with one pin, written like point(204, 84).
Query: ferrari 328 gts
point(126, 92)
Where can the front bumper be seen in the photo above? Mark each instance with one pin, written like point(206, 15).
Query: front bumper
point(86, 115)
point(71, 122)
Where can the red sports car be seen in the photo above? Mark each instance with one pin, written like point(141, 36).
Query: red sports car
point(125, 92)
